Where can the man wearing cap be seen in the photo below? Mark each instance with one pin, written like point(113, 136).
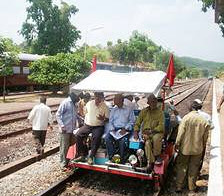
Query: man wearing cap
point(96, 114)
point(190, 144)
point(67, 119)
point(197, 106)
point(151, 119)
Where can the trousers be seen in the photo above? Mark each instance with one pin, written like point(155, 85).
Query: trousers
point(153, 146)
point(110, 142)
point(66, 140)
point(39, 139)
point(84, 131)
point(187, 167)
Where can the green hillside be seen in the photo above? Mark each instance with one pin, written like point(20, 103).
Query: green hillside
point(201, 64)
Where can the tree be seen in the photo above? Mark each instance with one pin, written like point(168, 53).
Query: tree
point(161, 60)
point(48, 29)
point(59, 70)
point(211, 4)
point(139, 49)
point(189, 73)
point(102, 53)
point(8, 58)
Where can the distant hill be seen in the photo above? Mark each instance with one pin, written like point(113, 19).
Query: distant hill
point(201, 64)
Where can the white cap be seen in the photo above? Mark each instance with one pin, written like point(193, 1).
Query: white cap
point(198, 101)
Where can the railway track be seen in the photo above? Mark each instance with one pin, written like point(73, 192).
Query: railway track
point(26, 161)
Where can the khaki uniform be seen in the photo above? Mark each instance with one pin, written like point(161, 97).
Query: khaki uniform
point(191, 139)
point(151, 120)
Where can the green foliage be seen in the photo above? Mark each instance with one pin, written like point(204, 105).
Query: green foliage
point(210, 66)
point(161, 61)
point(211, 4)
point(189, 73)
point(139, 49)
point(8, 56)
point(207, 4)
point(48, 29)
point(59, 70)
point(25, 47)
point(102, 54)
point(219, 73)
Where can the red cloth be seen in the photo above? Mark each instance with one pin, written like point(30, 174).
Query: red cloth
point(93, 68)
point(170, 74)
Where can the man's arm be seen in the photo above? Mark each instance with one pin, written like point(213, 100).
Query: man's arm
point(138, 122)
point(111, 121)
point(180, 134)
point(32, 114)
point(131, 121)
point(205, 136)
point(59, 113)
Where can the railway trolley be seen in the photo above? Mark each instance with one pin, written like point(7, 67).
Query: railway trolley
point(141, 83)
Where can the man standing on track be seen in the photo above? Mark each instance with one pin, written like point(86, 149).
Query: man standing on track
point(67, 120)
point(190, 143)
point(40, 117)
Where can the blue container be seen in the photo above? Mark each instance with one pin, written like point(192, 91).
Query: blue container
point(135, 145)
point(100, 161)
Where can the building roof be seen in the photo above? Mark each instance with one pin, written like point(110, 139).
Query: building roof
point(29, 57)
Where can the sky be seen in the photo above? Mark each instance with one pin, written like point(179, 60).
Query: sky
point(177, 25)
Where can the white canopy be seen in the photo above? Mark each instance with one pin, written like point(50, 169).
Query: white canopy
point(134, 82)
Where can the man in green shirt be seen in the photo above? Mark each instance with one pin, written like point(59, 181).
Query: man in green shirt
point(151, 121)
point(190, 143)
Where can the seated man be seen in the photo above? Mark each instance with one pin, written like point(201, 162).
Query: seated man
point(96, 114)
point(121, 118)
point(151, 119)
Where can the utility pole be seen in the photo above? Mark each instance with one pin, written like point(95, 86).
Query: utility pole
point(90, 30)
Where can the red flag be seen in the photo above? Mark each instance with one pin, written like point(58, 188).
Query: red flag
point(170, 74)
point(93, 68)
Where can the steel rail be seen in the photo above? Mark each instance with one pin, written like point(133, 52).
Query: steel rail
point(26, 161)
point(60, 185)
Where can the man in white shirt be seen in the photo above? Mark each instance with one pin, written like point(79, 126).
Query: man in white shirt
point(40, 117)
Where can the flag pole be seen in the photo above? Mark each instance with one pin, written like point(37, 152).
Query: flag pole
point(93, 67)
point(170, 74)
